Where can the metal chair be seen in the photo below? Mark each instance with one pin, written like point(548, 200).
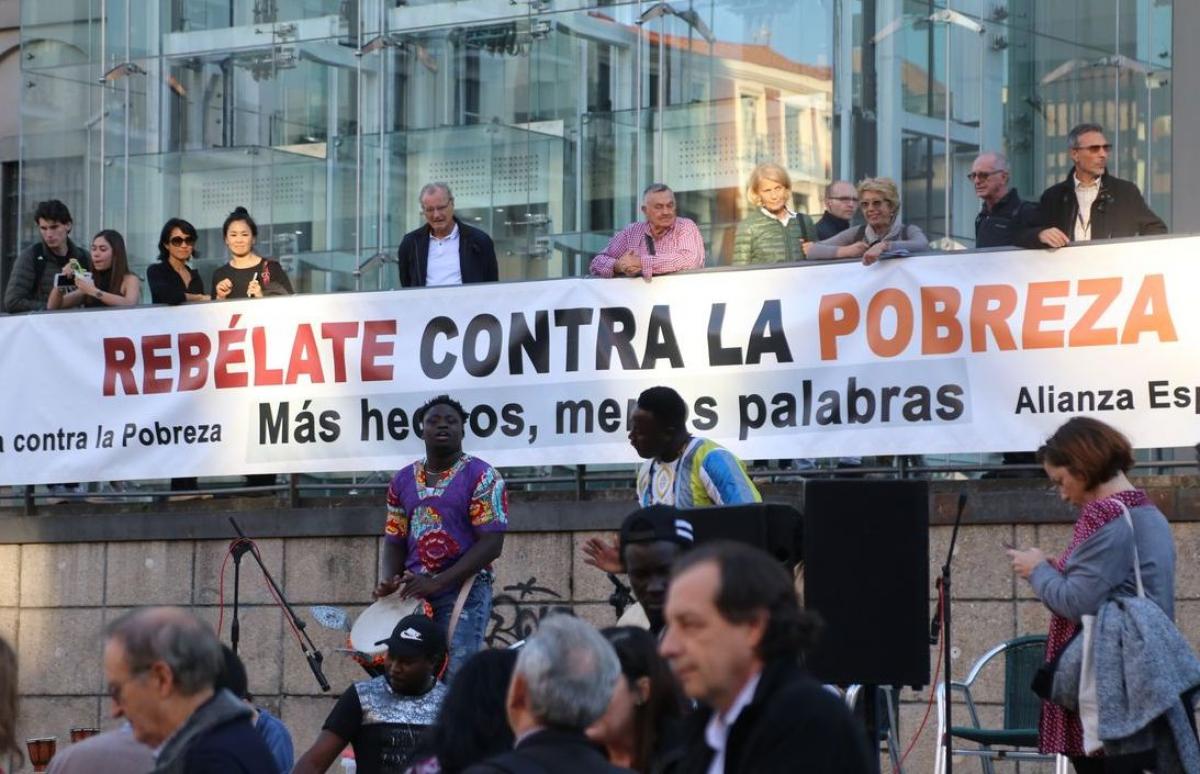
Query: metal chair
point(1018, 738)
point(888, 723)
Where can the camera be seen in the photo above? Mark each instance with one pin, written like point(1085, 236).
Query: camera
point(63, 281)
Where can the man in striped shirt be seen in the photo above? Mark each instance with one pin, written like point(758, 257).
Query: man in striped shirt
point(661, 244)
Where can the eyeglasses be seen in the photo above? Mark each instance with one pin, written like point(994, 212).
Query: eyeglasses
point(436, 210)
point(180, 241)
point(1106, 147)
point(844, 199)
point(868, 204)
point(983, 175)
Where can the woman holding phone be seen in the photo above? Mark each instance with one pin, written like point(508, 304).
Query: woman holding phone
point(247, 275)
point(111, 282)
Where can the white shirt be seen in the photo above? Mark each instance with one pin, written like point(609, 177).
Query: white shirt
point(443, 267)
point(1085, 195)
point(786, 219)
point(716, 733)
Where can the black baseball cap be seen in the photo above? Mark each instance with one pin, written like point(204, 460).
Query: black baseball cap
point(416, 635)
point(657, 522)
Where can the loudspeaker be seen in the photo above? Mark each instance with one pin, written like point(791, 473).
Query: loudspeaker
point(866, 573)
point(773, 527)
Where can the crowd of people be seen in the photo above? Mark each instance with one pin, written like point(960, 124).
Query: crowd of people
point(706, 674)
point(56, 273)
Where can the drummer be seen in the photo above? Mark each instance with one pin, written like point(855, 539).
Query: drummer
point(446, 517)
point(385, 718)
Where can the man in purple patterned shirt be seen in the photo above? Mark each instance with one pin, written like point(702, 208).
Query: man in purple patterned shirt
point(661, 244)
point(446, 517)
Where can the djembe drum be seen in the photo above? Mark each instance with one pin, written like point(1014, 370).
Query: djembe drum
point(41, 750)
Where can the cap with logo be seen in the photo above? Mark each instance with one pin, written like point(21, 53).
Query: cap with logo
point(416, 635)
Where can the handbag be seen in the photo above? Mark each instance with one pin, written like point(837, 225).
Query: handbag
point(1062, 680)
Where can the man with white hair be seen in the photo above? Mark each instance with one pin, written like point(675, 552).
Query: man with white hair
point(1003, 218)
point(562, 683)
point(161, 664)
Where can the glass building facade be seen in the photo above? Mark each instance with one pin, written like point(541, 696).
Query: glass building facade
point(548, 117)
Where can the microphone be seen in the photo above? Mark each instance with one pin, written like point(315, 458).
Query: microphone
point(649, 243)
point(935, 625)
point(314, 663)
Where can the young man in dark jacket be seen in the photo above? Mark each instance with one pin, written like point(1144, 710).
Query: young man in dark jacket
point(445, 251)
point(734, 636)
point(35, 268)
point(1090, 203)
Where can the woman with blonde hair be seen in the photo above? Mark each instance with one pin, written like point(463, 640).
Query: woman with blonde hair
point(883, 233)
point(772, 232)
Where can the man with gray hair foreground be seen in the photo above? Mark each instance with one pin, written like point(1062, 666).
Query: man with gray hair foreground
point(562, 683)
point(160, 664)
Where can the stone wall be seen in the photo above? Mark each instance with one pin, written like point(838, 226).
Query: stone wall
point(56, 595)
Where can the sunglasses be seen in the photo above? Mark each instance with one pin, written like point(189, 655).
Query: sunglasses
point(180, 241)
point(1106, 147)
point(983, 175)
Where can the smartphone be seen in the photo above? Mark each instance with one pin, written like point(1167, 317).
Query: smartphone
point(63, 281)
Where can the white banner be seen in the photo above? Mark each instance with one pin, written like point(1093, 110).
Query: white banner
point(948, 353)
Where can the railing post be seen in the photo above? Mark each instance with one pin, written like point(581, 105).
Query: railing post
point(30, 508)
point(579, 483)
point(293, 490)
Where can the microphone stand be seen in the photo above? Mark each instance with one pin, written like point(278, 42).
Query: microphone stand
point(941, 620)
point(311, 654)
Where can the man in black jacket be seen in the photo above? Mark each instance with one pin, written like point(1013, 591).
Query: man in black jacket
point(1090, 203)
point(161, 665)
point(445, 251)
point(734, 636)
point(35, 268)
point(562, 683)
point(1003, 218)
point(841, 202)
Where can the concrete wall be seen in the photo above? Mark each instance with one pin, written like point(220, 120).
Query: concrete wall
point(56, 596)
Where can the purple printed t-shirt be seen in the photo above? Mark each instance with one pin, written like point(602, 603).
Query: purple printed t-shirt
point(438, 516)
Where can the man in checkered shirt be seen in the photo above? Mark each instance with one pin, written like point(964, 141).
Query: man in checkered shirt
point(661, 244)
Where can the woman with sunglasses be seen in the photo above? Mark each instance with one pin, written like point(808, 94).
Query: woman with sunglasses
point(172, 280)
point(883, 233)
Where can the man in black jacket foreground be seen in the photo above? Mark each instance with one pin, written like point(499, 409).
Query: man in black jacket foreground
point(734, 636)
point(562, 683)
point(1090, 203)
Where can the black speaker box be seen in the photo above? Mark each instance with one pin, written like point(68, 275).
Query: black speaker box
point(773, 527)
point(866, 573)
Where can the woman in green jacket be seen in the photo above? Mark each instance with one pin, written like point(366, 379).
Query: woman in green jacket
point(772, 232)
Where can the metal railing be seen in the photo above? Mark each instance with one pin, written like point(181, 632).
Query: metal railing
point(292, 490)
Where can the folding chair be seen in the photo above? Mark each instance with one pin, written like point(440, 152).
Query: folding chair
point(1018, 738)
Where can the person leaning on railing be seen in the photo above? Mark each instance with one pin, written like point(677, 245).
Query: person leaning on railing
point(172, 281)
point(883, 235)
point(772, 232)
point(111, 282)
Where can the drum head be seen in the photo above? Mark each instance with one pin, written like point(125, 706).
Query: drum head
point(377, 621)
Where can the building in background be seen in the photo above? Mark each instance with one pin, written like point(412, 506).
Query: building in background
point(548, 117)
